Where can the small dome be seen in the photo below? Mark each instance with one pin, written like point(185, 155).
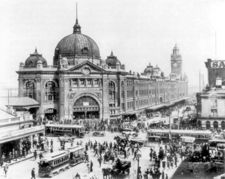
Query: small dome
point(34, 59)
point(148, 69)
point(112, 61)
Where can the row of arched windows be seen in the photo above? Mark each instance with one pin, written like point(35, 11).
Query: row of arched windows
point(215, 125)
point(50, 90)
point(30, 89)
point(112, 91)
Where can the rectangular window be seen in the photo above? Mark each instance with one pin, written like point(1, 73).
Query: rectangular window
point(89, 82)
point(82, 82)
point(74, 83)
point(96, 82)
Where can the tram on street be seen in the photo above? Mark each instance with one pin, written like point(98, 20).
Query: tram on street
point(65, 129)
point(77, 155)
point(163, 134)
point(56, 162)
point(217, 143)
point(53, 163)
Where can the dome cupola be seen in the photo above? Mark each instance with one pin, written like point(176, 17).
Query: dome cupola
point(76, 46)
point(112, 61)
point(34, 59)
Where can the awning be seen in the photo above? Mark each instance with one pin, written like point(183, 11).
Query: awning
point(176, 101)
point(5, 115)
point(25, 102)
point(20, 133)
point(156, 107)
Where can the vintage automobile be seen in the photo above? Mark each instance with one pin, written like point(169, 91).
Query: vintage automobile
point(98, 134)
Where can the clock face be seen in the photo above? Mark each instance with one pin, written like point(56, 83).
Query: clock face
point(86, 71)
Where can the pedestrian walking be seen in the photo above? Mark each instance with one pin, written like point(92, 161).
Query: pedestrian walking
point(167, 176)
point(33, 174)
point(100, 160)
point(91, 166)
point(6, 167)
point(35, 154)
point(40, 156)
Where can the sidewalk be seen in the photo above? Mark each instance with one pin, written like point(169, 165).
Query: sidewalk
point(27, 157)
point(170, 171)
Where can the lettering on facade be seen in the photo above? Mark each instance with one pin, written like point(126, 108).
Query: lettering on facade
point(218, 64)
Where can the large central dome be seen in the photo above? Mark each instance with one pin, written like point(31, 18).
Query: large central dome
point(76, 45)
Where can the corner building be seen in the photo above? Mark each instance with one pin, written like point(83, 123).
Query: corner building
point(82, 86)
point(211, 101)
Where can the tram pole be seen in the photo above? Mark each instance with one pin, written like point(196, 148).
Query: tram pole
point(170, 137)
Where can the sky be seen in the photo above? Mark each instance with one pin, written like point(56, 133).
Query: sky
point(137, 31)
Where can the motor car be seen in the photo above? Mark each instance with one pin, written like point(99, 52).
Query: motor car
point(98, 134)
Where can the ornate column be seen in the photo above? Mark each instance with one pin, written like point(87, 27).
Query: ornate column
point(21, 86)
point(61, 98)
point(66, 99)
point(104, 113)
point(219, 124)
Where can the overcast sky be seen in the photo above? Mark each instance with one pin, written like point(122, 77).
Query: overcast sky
point(138, 31)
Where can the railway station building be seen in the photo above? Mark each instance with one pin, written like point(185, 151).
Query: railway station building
point(81, 85)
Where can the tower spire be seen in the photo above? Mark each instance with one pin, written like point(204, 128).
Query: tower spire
point(76, 27)
point(76, 14)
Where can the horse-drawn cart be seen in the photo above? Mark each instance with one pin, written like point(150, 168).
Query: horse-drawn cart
point(119, 168)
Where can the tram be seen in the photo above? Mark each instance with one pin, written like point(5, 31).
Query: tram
point(53, 163)
point(163, 134)
point(62, 129)
point(56, 162)
point(217, 143)
point(77, 155)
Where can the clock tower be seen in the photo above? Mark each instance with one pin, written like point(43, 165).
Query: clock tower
point(176, 62)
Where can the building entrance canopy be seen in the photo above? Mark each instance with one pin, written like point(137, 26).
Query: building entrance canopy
point(18, 134)
point(86, 107)
point(22, 102)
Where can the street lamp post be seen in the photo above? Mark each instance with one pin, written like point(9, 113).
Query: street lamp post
point(138, 159)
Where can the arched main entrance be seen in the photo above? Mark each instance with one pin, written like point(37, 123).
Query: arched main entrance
point(50, 113)
point(86, 107)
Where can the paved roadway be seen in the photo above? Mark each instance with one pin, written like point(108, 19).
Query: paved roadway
point(22, 170)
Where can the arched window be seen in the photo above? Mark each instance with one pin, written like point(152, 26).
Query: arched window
point(122, 89)
point(208, 125)
point(30, 89)
point(50, 91)
point(84, 51)
point(161, 100)
point(112, 92)
point(223, 125)
point(215, 125)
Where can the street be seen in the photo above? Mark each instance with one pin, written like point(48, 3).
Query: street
point(22, 170)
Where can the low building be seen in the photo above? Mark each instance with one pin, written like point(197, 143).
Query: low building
point(17, 135)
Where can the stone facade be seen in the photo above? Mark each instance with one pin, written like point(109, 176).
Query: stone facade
point(211, 109)
point(211, 101)
point(216, 69)
point(82, 85)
